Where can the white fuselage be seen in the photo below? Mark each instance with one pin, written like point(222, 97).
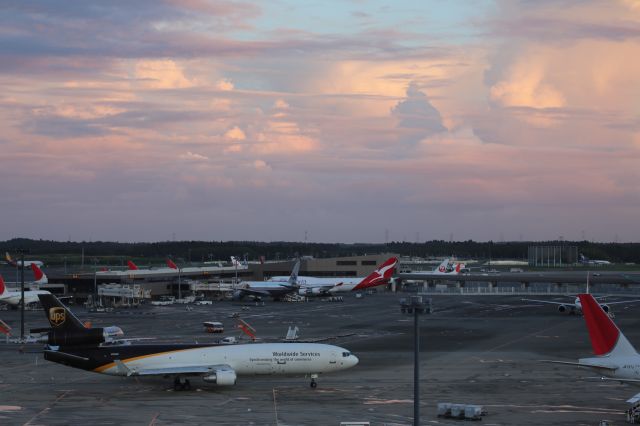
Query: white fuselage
point(319, 281)
point(249, 359)
point(13, 297)
point(627, 367)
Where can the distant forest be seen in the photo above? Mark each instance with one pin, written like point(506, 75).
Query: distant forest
point(198, 251)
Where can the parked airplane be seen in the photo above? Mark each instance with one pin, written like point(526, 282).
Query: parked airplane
point(575, 307)
point(325, 285)
point(98, 350)
point(132, 266)
point(445, 268)
point(39, 277)
point(13, 297)
point(275, 290)
point(586, 261)
point(615, 357)
point(380, 276)
point(18, 263)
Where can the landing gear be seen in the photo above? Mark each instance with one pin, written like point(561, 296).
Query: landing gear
point(313, 383)
point(180, 384)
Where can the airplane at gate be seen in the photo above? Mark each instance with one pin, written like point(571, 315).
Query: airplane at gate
point(18, 263)
point(575, 307)
point(275, 290)
point(326, 285)
point(13, 297)
point(445, 268)
point(615, 357)
point(100, 351)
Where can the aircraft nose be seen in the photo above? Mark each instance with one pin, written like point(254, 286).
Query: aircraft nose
point(354, 360)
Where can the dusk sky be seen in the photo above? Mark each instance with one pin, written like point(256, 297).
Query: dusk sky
point(351, 120)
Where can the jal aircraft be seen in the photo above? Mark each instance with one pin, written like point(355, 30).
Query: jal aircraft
point(575, 307)
point(615, 357)
point(18, 263)
point(99, 350)
point(39, 278)
point(326, 285)
point(13, 297)
point(445, 268)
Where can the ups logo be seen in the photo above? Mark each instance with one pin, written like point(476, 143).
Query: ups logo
point(57, 316)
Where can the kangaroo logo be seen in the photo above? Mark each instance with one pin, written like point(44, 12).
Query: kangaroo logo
point(57, 316)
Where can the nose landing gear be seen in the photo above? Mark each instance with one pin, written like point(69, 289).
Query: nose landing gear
point(313, 383)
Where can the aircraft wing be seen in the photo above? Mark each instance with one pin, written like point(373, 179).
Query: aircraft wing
point(577, 364)
point(255, 292)
point(548, 301)
point(622, 301)
point(171, 371)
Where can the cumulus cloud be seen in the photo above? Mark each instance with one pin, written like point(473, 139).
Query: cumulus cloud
point(224, 85)
point(235, 133)
point(417, 115)
point(524, 86)
point(162, 74)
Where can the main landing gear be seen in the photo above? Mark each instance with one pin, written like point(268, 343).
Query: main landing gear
point(180, 384)
point(314, 384)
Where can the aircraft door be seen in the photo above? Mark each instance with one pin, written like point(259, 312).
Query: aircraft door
point(333, 359)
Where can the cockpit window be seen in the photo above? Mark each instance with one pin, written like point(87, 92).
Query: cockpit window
point(346, 354)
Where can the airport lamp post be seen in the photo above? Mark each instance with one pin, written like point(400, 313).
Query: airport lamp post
point(179, 284)
point(416, 306)
point(21, 252)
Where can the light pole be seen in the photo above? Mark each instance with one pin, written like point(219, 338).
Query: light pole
point(21, 252)
point(416, 306)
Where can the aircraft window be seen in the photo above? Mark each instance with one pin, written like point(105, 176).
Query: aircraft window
point(346, 354)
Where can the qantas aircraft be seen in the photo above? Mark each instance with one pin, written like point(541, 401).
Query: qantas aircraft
point(615, 357)
point(18, 263)
point(326, 285)
point(99, 350)
point(13, 297)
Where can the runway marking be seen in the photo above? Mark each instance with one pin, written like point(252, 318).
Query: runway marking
point(153, 419)
point(388, 401)
point(526, 336)
point(545, 408)
point(47, 408)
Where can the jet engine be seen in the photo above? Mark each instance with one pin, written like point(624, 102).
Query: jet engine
point(315, 291)
point(222, 378)
point(562, 308)
point(237, 295)
point(605, 308)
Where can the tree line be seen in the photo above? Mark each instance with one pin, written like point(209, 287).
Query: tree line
point(200, 251)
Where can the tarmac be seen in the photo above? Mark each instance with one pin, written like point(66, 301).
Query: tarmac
point(474, 350)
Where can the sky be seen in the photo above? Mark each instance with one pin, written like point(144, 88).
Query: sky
point(330, 121)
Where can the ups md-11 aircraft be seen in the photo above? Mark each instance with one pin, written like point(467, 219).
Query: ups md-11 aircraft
point(99, 350)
